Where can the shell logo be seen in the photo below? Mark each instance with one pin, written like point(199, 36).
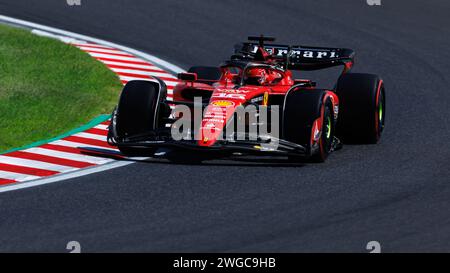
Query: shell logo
point(222, 103)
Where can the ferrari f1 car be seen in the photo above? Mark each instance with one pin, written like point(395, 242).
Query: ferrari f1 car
point(312, 122)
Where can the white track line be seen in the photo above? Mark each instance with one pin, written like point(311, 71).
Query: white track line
point(143, 66)
point(126, 78)
point(140, 72)
point(107, 51)
point(35, 164)
point(81, 145)
point(102, 127)
point(117, 58)
point(20, 177)
point(62, 177)
point(129, 78)
point(85, 44)
point(90, 49)
point(91, 136)
point(71, 156)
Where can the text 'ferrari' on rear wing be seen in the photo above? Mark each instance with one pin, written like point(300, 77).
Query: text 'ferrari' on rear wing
point(301, 57)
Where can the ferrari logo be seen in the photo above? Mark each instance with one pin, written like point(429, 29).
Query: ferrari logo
point(265, 98)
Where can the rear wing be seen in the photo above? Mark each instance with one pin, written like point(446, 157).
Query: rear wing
point(299, 57)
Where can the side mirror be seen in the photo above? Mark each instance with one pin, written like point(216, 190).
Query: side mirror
point(190, 77)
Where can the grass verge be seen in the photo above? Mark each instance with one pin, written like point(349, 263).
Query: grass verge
point(48, 87)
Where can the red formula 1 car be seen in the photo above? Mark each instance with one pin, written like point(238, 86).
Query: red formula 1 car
point(305, 121)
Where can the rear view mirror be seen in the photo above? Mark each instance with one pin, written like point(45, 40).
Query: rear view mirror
point(187, 76)
point(236, 79)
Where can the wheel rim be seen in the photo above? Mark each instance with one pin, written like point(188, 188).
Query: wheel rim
point(381, 112)
point(328, 127)
point(327, 131)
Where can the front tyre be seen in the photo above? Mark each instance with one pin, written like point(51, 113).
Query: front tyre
point(308, 120)
point(139, 112)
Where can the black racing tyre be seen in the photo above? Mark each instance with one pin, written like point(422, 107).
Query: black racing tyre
point(206, 74)
point(301, 110)
point(362, 108)
point(138, 113)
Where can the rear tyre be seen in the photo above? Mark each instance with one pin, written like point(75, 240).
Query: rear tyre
point(138, 113)
point(362, 108)
point(308, 121)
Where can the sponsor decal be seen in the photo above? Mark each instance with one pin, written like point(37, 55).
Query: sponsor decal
point(233, 91)
point(214, 120)
point(301, 53)
point(222, 103)
point(211, 127)
point(257, 99)
point(313, 54)
point(336, 111)
point(215, 115)
point(266, 98)
point(316, 131)
point(249, 124)
point(229, 96)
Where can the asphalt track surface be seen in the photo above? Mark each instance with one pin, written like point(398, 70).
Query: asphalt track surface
point(397, 192)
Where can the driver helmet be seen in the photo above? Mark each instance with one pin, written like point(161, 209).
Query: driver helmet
point(255, 76)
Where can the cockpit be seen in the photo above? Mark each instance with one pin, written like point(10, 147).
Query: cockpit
point(252, 75)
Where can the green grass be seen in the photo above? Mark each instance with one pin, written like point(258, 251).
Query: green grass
point(48, 88)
